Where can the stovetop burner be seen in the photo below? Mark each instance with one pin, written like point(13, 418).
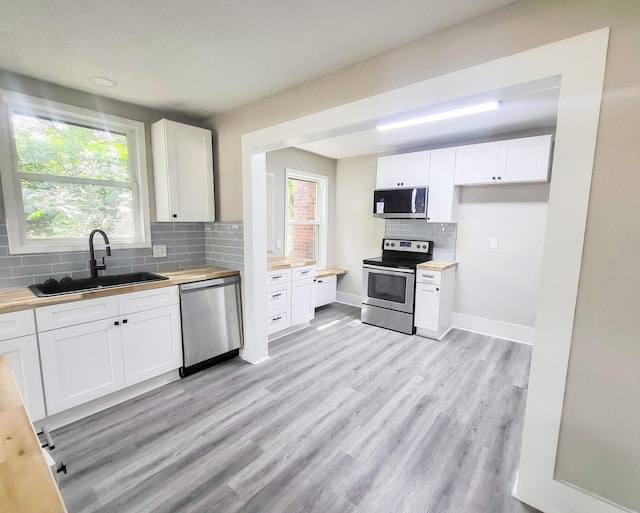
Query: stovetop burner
point(402, 254)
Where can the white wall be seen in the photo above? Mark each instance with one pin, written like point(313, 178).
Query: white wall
point(292, 158)
point(358, 234)
point(500, 284)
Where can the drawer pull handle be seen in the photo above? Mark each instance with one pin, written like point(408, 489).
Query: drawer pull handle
point(304, 272)
point(275, 296)
point(276, 277)
point(276, 318)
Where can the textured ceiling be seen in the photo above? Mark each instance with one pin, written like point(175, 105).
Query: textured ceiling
point(205, 56)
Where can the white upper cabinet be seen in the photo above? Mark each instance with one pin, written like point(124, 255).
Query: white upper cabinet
point(183, 172)
point(404, 170)
point(510, 161)
point(442, 204)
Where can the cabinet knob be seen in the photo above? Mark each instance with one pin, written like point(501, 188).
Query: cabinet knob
point(499, 178)
point(437, 288)
point(116, 323)
point(493, 177)
point(124, 321)
point(174, 215)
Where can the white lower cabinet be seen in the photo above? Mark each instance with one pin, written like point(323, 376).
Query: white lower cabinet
point(302, 308)
point(151, 343)
point(82, 361)
point(22, 354)
point(324, 291)
point(434, 302)
point(289, 298)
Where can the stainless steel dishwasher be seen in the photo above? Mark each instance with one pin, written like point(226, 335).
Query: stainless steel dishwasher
point(211, 322)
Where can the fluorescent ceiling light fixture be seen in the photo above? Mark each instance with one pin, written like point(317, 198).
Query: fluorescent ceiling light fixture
point(448, 114)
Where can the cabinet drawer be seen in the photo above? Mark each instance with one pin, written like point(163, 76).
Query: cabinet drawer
point(301, 273)
point(148, 299)
point(275, 277)
point(17, 324)
point(426, 276)
point(77, 312)
point(278, 296)
point(279, 320)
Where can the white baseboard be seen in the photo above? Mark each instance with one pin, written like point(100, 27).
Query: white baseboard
point(498, 329)
point(66, 417)
point(349, 299)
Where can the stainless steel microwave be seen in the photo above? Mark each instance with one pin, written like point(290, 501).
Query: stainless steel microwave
point(401, 202)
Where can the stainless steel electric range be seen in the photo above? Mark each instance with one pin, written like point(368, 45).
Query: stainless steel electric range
point(388, 283)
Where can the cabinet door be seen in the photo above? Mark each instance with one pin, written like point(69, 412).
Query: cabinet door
point(404, 170)
point(151, 343)
point(525, 160)
point(427, 306)
point(477, 164)
point(22, 354)
point(442, 202)
point(324, 291)
point(81, 363)
point(183, 172)
point(302, 309)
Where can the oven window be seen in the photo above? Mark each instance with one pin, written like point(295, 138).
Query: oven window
point(387, 287)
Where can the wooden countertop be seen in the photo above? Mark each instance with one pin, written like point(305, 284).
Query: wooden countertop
point(21, 298)
point(26, 483)
point(276, 263)
point(331, 271)
point(437, 265)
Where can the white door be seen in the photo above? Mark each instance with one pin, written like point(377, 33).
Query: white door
point(477, 163)
point(441, 189)
point(81, 363)
point(427, 306)
point(22, 354)
point(151, 343)
point(302, 309)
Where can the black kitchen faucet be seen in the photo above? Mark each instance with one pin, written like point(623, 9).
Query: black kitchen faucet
point(93, 265)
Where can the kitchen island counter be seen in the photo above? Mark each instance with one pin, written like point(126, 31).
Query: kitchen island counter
point(26, 483)
point(21, 298)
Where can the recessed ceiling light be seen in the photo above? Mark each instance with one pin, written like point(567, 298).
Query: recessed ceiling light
point(104, 82)
point(456, 113)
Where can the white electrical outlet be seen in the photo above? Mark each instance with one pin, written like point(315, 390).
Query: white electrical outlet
point(493, 242)
point(159, 250)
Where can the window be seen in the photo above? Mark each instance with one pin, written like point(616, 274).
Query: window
point(306, 216)
point(66, 171)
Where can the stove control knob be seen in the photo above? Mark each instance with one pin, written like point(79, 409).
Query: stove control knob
point(386, 244)
point(393, 244)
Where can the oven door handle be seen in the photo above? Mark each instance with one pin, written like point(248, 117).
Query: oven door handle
point(413, 201)
point(388, 270)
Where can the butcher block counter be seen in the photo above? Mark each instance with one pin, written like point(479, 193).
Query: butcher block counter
point(21, 298)
point(277, 263)
point(26, 483)
point(436, 265)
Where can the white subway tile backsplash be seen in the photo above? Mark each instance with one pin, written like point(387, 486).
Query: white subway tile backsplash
point(443, 235)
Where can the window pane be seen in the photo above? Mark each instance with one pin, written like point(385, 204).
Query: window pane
point(302, 241)
point(61, 210)
point(302, 200)
point(65, 149)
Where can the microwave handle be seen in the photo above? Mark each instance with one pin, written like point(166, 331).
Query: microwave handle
point(413, 200)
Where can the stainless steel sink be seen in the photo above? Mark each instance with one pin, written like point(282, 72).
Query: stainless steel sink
point(69, 286)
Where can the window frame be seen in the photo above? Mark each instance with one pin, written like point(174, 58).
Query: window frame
point(322, 208)
point(12, 102)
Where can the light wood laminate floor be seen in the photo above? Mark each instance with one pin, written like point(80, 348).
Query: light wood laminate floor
point(341, 419)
